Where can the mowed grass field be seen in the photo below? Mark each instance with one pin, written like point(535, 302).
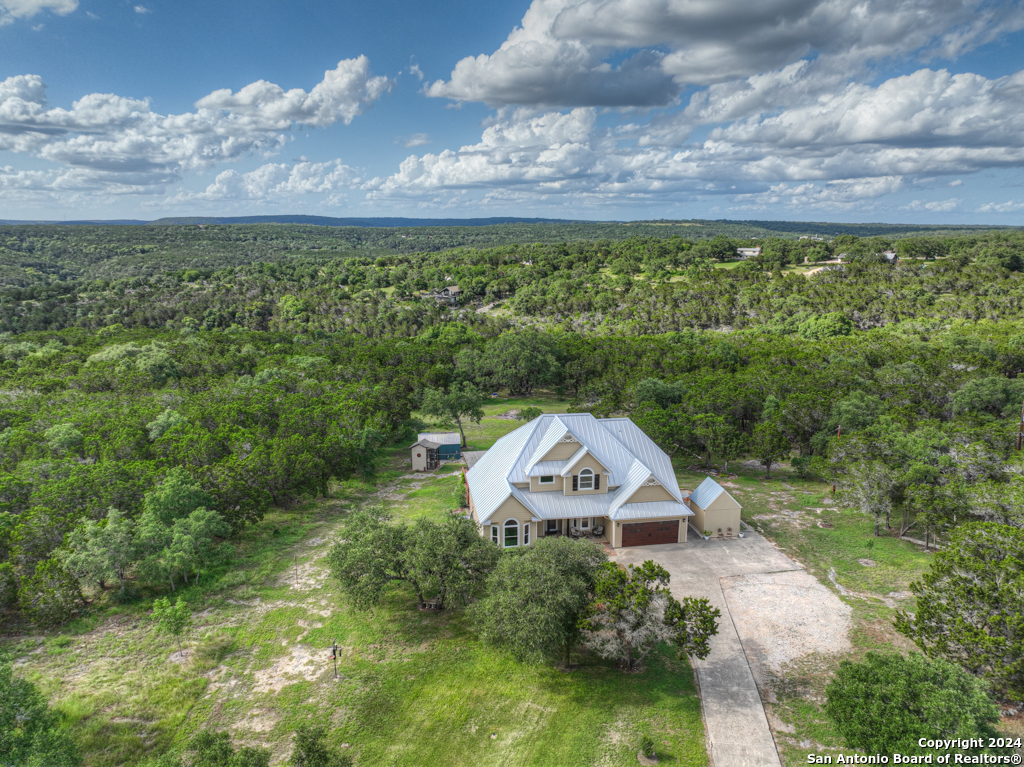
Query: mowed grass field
point(413, 688)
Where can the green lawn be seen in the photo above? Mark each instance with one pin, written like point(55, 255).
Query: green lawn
point(415, 689)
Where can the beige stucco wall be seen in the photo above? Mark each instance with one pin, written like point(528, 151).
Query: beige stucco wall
point(650, 495)
point(723, 512)
point(537, 487)
point(563, 451)
point(512, 509)
point(587, 462)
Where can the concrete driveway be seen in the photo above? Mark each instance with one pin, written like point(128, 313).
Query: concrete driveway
point(737, 728)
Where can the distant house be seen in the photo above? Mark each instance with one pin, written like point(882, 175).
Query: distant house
point(890, 256)
point(430, 449)
point(748, 252)
point(449, 294)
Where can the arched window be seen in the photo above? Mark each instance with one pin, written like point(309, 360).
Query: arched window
point(586, 479)
point(511, 534)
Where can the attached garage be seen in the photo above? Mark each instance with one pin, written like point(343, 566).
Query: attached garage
point(650, 533)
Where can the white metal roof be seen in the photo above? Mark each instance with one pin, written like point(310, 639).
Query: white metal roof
point(442, 438)
point(646, 451)
point(576, 458)
point(617, 443)
point(488, 478)
point(546, 469)
point(638, 474)
point(706, 492)
point(553, 432)
point(651, 510)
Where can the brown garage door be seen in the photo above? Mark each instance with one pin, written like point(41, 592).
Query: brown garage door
point(647, 533)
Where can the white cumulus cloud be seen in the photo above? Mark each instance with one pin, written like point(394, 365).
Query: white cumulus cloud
point(563, 51)
point(275, 181)
point(839, 152)
point(10, 10)
point(122, 141)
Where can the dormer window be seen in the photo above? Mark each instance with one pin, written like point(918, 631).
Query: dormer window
point(586, 479)
point(547, 480)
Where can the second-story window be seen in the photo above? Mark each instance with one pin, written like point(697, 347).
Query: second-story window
point(547, 480)
point(586, 479)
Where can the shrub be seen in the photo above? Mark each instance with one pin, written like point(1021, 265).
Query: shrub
point(50, 596)
point(888, 702)
point(646, 746)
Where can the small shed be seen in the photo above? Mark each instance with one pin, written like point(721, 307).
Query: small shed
point(715, 510)
point(431, 448)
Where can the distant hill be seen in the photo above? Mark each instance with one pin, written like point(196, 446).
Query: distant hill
point(545, 229)
point(362, 222)
point(96, 222)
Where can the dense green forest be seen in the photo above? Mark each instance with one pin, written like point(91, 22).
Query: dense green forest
point(96, 421)
point(163, 388)
point(259, 382)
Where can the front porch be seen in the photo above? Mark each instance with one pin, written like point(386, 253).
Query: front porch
point(596, 529)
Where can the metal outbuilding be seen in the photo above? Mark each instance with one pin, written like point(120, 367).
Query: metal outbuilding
point(431, 448)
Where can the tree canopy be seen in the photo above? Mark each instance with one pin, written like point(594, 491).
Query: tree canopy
point(970, 605)
point(888, 703)
point(536, 597)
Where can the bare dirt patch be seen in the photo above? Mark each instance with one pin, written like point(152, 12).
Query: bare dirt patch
point(299, 665)
point(782, 617)
point(258, 720)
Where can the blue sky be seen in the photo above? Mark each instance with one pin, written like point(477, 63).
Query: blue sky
point(841, 110)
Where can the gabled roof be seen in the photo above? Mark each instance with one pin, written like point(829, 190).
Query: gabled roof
point(706, 492)
point(427, 444)
point(638, 474)
point(555, 432)
point(441, 437)
point(646, 451)
point(629, 455)
point(578, 456)
point(488, 478)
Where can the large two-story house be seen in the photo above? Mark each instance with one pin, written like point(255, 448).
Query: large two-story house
point(574, 474)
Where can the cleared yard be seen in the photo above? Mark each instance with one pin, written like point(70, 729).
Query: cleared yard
point(414, 688)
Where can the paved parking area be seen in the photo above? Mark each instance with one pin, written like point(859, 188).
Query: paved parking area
point(737, 728)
